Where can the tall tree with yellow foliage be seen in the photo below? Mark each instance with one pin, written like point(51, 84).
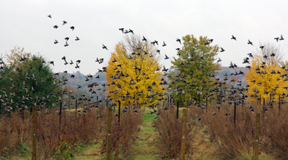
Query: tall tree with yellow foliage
point(266, 82)
point(133, 74)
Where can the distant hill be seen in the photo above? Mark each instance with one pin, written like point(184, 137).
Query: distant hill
point(79, 78)
point(231, 70)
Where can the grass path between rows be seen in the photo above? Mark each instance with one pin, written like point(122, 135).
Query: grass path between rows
point(143, 149)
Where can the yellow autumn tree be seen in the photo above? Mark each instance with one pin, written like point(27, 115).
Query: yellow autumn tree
point(266, 82)
point(133, 74)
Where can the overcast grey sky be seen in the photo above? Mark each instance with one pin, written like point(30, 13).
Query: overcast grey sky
point(24, 23)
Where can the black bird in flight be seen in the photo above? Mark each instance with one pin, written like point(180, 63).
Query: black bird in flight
point(272, 54)
point(55, 42)
point(222, 49)
point(261, 47)
point(281, 37)
point(166, 57)
point(77, 66)
point(67, 38)
point(178, 40)
point(121, 29)
point(164, 44)
point(131, 31)
point(72, 27)
point(49, 16)
point(66, 44)
point(55, 26)
point(249, 42)
point(144, 39)
point(64, 22)
point(250, 55)
point(77, 38)
point(234, 38)
point(276, 38)
point(104, 47)
point(156, 42)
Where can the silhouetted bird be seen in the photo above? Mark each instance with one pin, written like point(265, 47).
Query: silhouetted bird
point(272, 54)
point(55, 42)
point(64, 22)
point(234, 38)
point(156, 42)
point(276, 38)
point(55, 26)
point(77, 38)
point(281, 37)
point(250, 55)
point(131, 31)
point(249, 42)
point(246, 60)
point(72, 27)
point(52, 62)
point(164, 44)
point(222, 49)
point(104, 47)
point(219, 60)
point(49, 16)
point(144, 39)
point(166, 57)
point(261, 47)
point(121, 29)
point(66, 44)
point(66, 38)
point(178, 40)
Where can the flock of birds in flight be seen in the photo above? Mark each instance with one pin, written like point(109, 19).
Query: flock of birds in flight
point(165, 70)
point(155, 42)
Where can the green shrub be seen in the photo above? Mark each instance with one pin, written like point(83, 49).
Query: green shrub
point(63, 152)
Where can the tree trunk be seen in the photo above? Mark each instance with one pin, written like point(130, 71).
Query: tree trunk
point(177, 114)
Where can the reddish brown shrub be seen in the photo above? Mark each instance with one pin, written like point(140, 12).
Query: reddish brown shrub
point(124, 135)
point(170, 133)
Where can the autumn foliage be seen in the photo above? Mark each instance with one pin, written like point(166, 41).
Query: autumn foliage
point(266, 82)
point(133, 77)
